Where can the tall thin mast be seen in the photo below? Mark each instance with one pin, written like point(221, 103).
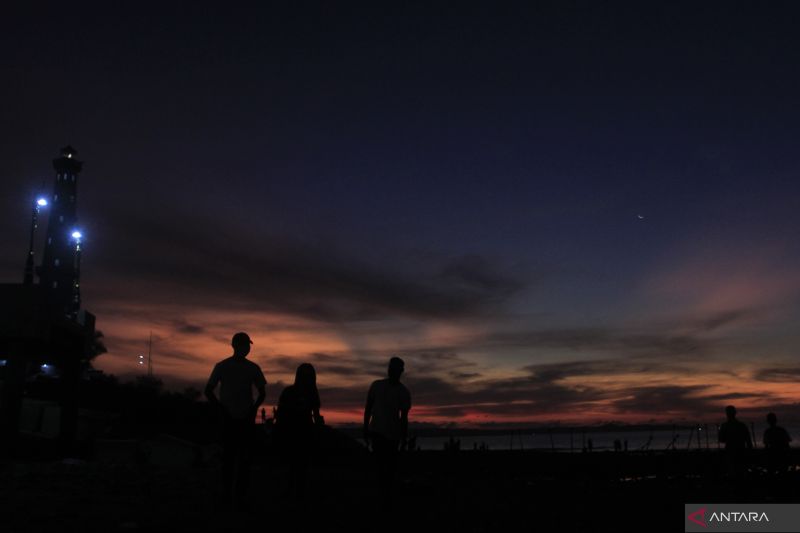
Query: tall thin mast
point(150, 356)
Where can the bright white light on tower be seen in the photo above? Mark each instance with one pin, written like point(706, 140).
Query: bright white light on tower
point(41, 202)
point(77, 235)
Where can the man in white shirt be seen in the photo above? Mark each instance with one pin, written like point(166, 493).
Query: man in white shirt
point(386, 421)
point(237, 377)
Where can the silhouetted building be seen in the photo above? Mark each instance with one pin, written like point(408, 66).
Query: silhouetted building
point(60, 268)
point(42, 328)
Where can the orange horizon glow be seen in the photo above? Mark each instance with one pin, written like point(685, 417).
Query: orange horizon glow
point(697, 335)
point(188, 359)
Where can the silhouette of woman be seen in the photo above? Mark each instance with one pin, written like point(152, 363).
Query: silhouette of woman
point(298, 413)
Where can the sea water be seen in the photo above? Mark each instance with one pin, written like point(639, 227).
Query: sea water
point(564, 441)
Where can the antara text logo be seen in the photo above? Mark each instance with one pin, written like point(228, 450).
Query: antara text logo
point(725, 517)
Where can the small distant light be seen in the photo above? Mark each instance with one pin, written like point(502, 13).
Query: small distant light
point(44, 366)
point(77, 235)
point(3, 362)
point(69, 155)
point(41, 202)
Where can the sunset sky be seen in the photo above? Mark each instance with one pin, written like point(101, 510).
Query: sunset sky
point(574, 212)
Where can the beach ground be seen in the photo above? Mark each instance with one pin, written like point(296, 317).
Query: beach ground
point(436, 491)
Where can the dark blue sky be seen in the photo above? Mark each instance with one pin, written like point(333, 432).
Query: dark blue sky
point(465, 181)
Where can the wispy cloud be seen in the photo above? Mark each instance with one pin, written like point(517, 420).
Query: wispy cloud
point(778, 375)
point(469, 358)
point(170, 263)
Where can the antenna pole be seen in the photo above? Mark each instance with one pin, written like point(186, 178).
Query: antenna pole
point(150, 356)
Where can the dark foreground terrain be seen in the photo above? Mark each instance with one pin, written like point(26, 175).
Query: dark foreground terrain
point(436, 491)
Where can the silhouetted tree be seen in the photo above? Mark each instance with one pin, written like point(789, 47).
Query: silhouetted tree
point(97, 346)
point(149, 383)
point(192, 393)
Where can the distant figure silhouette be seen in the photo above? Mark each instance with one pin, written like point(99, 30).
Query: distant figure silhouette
point(776, 442)
point(386, 424)
point(297, 414)
point(237, 376)
point(452, 445)
point(734, 434)
point(775, 437)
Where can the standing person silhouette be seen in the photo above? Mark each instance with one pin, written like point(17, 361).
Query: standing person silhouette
point(733, 432)
point(386, 424)
point(736, 437)
point(776, 442)
point(775, 437)
point(298, 413)
point(237, 376)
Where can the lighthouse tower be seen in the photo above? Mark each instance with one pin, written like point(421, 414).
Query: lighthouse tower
point(59, 272)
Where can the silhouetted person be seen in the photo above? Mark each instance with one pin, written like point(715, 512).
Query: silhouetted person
point(237, 376)
point(734, 434)
point(297, 414)
point(776, 442)
point(775, 437)
point(386, 424)
point(452, 445)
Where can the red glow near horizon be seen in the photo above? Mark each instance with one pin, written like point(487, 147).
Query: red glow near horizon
point(189, 357)
point(653, 367)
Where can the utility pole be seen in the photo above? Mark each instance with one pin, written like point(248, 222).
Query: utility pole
point(150, 356)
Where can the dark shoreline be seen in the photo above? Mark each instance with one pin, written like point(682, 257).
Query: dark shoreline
point(436, 490)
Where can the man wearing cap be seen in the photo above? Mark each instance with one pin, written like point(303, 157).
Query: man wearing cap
point(237, 376)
